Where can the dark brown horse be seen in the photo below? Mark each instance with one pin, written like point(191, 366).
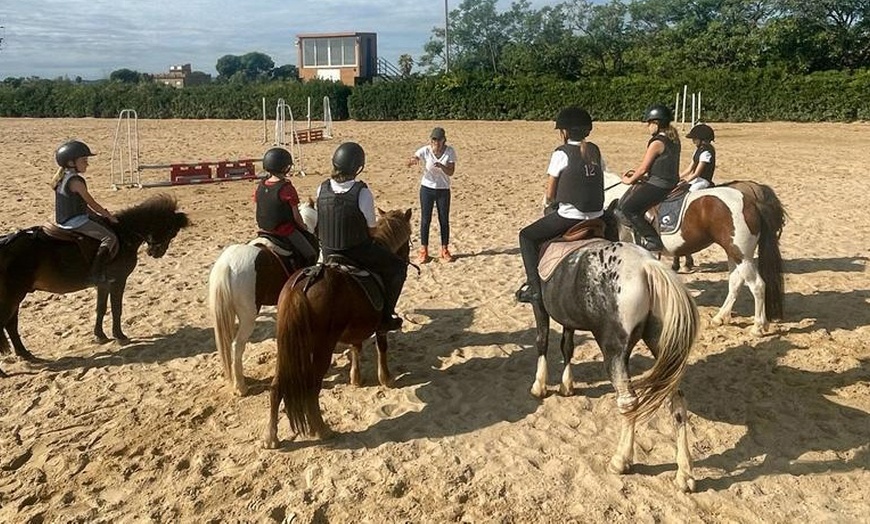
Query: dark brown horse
point(740, 219)
point(244, 278)
point(313, 316)
point(32, 261)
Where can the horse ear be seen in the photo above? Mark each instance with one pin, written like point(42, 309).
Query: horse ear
point(408, 214)
point(181, 220)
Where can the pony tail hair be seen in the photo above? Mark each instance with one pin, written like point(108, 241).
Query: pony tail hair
point(672, 133)
point(58, 176)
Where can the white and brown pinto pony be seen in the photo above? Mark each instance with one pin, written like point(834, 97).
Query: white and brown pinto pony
point(740, 217)
point(244, 278)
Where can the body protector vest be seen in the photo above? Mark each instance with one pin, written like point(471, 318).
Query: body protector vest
point(581, 183)
point(340, 223)
point(665, 171)
point(707, 173)
point(66, 204)
point(272, 212)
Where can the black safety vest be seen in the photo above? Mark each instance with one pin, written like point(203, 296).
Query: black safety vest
point(581, 182)
point(68, 205)
point(272, 212)
point(340, 223)
point(707, 173)
point(665, 171)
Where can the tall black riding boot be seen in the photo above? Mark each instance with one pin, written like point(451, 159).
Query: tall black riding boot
point(649, 237)
point(98, 266)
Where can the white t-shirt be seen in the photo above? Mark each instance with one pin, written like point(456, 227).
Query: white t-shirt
point(366, 198)
point(434, 177)
point(558, 162)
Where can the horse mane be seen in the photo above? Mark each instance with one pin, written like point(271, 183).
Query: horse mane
point(157, 213)
point(393, 229)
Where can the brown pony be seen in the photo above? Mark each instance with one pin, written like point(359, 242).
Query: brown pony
point(740, 219)
point(30, 261)
point(315, 314)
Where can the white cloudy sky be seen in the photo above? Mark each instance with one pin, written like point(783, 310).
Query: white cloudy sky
point(92, 38)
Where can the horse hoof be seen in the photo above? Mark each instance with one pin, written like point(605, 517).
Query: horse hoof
point(718, 321)
point(619, 465)
point(241, 390)
point(102, 339)
point(270, 443)
point(685, 482)
point(122, 339)
point(566, 391)
point(538, 391)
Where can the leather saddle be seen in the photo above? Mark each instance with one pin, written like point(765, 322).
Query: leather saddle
point(371, 284)
point(87, 246)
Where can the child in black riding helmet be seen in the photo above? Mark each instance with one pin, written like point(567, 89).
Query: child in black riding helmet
point(699, 175)
point(346, 222)
point(73, 205)
point(655, 177)
point(277, 204)
point(575, 184)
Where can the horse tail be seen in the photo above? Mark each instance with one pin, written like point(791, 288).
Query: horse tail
point(675, 309)
point(223, 312)
point(770, 267)
point(296, 379)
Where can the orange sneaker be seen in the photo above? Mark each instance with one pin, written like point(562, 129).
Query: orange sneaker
point(445, 254)
point(423, 256)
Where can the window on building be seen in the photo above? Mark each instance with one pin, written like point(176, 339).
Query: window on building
point(329, 52)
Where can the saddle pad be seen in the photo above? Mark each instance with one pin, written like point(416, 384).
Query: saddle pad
point(268, 244)
point(671, 214)
point(557, 251)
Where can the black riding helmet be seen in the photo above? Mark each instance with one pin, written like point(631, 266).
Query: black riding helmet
point(349, 159)
point(702, 132)
point(277, 160)
point(574, 117)
point(659, 113)
point(70, 152)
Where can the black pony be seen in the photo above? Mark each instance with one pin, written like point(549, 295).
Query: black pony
point(31, 260)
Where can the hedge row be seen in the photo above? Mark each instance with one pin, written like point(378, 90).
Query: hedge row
point(755, 95)
point(54, 98)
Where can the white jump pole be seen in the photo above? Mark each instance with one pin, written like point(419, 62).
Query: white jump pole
point(265, 127)
point(685, 91)
point(699, 106)
point(693, 109)
point(129, 161)
point(308, 117)
point(327, 118)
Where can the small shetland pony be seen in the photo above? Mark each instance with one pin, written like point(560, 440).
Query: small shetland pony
point(31, 260)
point(316, 312)
point(621, 294)
point(739, 217)
point(244, 278)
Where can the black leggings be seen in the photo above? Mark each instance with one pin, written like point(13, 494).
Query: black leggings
point(640, 198)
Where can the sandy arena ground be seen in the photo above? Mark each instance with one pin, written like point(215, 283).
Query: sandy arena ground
point(150, 431)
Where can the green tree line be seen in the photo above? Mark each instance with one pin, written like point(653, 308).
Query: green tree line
point(751, 60)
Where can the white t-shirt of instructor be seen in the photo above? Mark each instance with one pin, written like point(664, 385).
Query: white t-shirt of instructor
point(434, 177)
